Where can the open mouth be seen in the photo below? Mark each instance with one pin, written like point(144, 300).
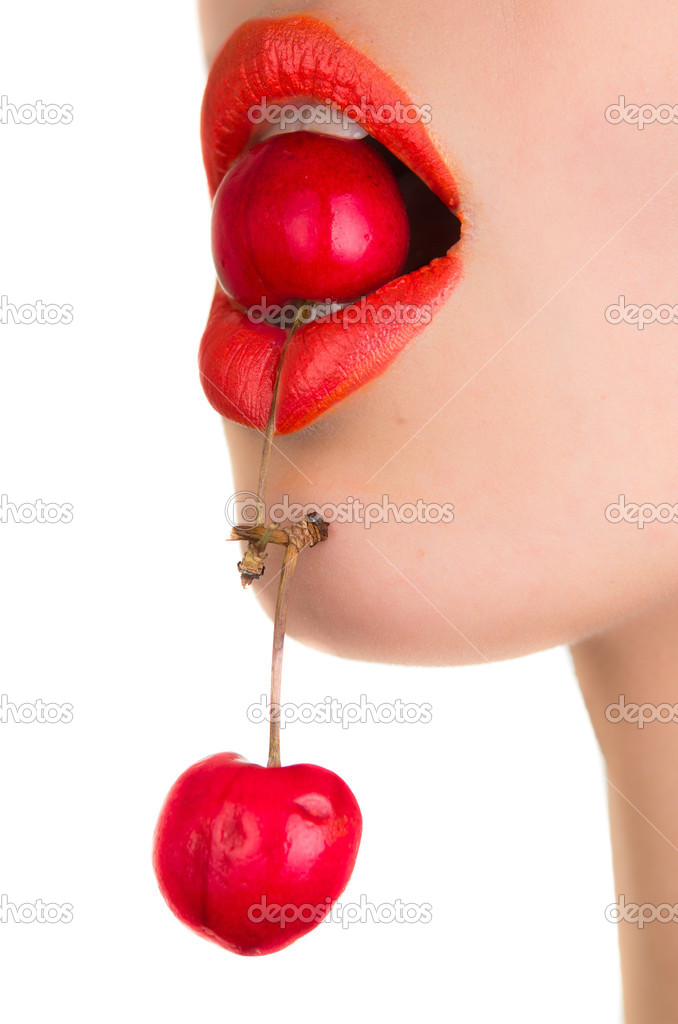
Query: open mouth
point(434, 228)
point(273, 60)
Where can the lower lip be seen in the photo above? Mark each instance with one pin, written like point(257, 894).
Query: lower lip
point(326, 360)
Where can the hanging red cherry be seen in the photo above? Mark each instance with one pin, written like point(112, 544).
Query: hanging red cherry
point(251, 857)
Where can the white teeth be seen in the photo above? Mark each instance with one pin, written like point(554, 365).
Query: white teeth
point(321, 118)
point(321, 309)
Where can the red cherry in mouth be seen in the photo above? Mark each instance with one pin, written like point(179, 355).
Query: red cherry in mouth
point(308, 217)
point(251, 857)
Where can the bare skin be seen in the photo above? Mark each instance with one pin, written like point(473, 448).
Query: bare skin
point(521, 403)
point(640, 660)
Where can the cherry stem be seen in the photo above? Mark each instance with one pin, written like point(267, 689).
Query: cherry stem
point(270, 426)
point(311, 530)
point(280, 623)
point(295, 542)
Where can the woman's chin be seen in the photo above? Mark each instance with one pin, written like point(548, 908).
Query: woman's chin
point(392, 595)
point(473, 543)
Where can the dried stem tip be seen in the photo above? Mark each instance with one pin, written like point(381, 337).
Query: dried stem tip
point(311, 529)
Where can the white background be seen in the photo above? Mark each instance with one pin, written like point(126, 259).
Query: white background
point(494, 812)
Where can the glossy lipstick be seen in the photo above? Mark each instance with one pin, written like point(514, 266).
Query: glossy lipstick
point(279, 60)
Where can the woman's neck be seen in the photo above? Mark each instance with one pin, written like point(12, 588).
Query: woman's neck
point(638, 736)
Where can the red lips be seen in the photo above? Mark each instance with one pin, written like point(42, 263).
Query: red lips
point(276, 60)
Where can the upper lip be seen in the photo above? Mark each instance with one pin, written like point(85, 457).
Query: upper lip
point(276, 59)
